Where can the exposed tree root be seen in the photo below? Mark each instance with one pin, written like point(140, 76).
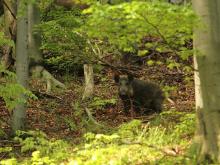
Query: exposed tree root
point(91, 118)
point(40, 72)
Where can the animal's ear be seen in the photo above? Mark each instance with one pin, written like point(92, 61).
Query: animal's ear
point(130, 78)
point(116, 78)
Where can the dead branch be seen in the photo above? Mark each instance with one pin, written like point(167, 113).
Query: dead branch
point(120, 69)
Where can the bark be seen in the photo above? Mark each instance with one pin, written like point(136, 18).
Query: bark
point(34, 43)
point(40, 72)
point(34, 39)
point(10, 32)
point(19, 113)
point(207, 79)
point(89, 81)
point(1, 8)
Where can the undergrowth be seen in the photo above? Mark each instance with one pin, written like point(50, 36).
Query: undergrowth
point(134, 142)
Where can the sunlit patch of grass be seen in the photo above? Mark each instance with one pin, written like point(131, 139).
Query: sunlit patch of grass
point(130, 143)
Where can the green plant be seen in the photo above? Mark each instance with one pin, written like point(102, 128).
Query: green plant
point(5, 149)
point(70, 123)
point(64, 48)
point(185, 128)
point(126, 24)
point(4, 41)
point(43, 149)
point(2, 133)
point(10, 91)
point(168, 89)
point(130, 130)
point(11, 161)
point(100, 139)
point(37, 158)
point(131, 143)
point(100, 103)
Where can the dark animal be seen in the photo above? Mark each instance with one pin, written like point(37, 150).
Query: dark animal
point(143, 97)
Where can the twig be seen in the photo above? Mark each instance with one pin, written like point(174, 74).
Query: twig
point(170, 101)
point(102, 62)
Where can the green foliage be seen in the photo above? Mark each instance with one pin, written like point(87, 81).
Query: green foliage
point(171, 64)
point(10, 91)
point(168, 89)
point(37, 158)
point(64, 48)
point(186, 128)
point(100, 103)
point(125, 25)
point(2, 133)
point(5, 149)
point(11, 161)
point(181, 125)
point(44, 150)
point(4, 41)
point(97, 140)
point(72, 125)
point(132, 143)
point(130, 130)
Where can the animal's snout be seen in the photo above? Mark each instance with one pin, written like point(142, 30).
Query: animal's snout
point(123, 91)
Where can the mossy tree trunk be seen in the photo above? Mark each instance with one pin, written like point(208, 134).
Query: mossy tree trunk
point(207, 80)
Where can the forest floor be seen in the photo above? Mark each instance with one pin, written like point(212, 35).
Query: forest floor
point(61, 116)
point(53, 113)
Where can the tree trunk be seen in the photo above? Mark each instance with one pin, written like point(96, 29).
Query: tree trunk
point(19, 113)
point(34, 39)
point(35, 55)
point(89, 81)
point(207, 80)
point(10, 32)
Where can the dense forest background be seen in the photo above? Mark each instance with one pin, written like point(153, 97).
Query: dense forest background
point(59, 103)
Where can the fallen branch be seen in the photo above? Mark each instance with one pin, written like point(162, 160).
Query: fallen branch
point(170, 101)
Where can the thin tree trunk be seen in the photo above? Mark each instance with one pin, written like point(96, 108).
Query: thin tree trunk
point(207, 80)
point(89, 81)
point(34, 39)
point(19, 113)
